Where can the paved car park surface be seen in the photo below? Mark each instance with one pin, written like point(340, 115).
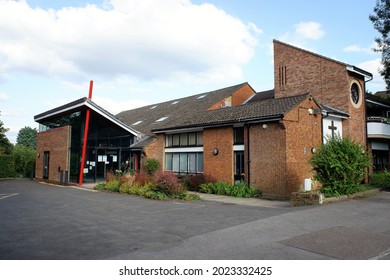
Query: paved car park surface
point(39, 221)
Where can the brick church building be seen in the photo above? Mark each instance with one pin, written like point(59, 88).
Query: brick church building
point(235, 133)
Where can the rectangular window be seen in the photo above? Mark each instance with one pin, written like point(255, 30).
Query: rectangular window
point(168, 141)
point(191, 139)
point(176, 140)
point(184, 162)
point(238, 135)
point(175, 162)
point(191, 162)
point(239, 166)
point(183, 139)
point(200, 139)
point(199, 162)
point(168, 162)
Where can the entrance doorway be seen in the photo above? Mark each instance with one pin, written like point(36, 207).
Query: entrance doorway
point(46, 164)
point(107, 160)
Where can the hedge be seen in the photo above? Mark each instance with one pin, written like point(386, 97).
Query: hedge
point(7, 166)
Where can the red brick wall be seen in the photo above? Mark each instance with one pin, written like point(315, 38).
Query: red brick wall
point(303, 132)
point(307, 72)
point(237, 98)
point(57, 142)
point(221, 165)
point(268, 158)
point(327, 80)
point(241, 95)
point(156, 150)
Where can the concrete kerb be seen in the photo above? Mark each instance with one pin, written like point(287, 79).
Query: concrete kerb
point(259, 202)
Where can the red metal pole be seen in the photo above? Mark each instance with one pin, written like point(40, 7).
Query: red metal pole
point(85, 136)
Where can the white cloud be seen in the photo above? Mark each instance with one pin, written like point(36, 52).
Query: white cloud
point(373, 66)
point(115, 107)
point(303, 33)
point(359, 49)
point(309, 30)
point(142, 39)
point(3, 96)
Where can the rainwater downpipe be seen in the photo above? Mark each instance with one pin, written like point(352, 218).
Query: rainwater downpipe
point(248, 153)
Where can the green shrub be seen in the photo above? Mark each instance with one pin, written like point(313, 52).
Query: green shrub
point(124, 187)
point(193, 182)
point(24, 160)
point(7, 166)
point(340, 166)
point(151, 166)
point(381, 179)
point(167, 182)
point(237, 190)
point(243, 190)
point(100, 186)
point(112, 186)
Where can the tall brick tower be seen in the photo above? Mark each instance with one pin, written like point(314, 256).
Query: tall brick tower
point(337, 86)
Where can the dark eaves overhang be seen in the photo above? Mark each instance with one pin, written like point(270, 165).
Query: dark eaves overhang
point(89, 104)
point(195, 127)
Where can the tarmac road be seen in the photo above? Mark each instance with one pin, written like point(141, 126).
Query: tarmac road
point(40, 221)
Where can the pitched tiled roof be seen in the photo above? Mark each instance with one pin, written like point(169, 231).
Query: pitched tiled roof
point(144, 119)
point(253, 111)
point(263, 95)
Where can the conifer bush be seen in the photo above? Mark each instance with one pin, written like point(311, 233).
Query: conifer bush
point(340, 166)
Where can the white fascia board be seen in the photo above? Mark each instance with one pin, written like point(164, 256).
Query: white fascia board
point(60, 111)
point(182, 130)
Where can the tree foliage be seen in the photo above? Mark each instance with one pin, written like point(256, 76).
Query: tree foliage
point(27, 137)
point(5, 144)
point(381, 22)
point(340, 166)
point(24, 160)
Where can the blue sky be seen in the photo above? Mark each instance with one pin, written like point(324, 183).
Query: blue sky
point(141, 52)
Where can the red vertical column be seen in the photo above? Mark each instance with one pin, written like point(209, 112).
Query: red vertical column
point(85, 138)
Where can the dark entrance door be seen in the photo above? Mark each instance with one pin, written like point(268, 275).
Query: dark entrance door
point(46, 164)
point(108, 160)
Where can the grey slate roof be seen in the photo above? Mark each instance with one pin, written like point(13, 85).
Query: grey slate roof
point(175, 110)
point(269, 109)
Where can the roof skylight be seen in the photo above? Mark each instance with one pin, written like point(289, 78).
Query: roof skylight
point(161, 119)
point(202, 96)
point(153, 107)
point(174, 102)
point(138, 122)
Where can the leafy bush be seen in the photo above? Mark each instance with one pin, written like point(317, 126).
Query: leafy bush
point(151, 166)
point(381, 179)
point(24, 160)
point(237, 190)
point(340, 166)
point(172, 189)
point(100, 186)
point(112, 186)
point(141, 178)
point(243, 190)
point(167, 182)
point(7, 166)
point(193, 182)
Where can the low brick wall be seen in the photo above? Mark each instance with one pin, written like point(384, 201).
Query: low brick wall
point(316, 198)
point(306, 198)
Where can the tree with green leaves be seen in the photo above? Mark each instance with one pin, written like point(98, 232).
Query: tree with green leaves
point(27, 137)
point(381, 21)
point(5, 144)
point(24, 160)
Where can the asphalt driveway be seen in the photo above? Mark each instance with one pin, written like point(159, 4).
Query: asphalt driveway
point(40, 221)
